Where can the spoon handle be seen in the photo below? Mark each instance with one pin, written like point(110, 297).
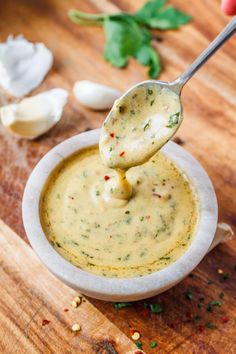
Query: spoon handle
point(222, 37)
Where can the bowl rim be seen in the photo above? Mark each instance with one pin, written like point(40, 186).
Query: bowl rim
point(116, 289)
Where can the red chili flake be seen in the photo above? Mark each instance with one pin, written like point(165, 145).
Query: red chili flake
point(66, 310)
point(122, 153)
point(156, 195)
point(225, 319)
point(146, 313)
point(106, 178)
point(200, 328)
point(138, 352)
point(132, 331)
point(171, 325)
point(45, 322)
point(112, 135)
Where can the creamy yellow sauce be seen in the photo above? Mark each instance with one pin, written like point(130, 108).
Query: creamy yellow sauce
point(139, 124)
point(131, 237)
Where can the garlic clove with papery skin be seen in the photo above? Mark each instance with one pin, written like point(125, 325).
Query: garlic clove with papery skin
point(23, 65)
point(35, 115)
point(95, 96)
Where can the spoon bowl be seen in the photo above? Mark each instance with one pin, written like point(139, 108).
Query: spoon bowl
point(139, 123)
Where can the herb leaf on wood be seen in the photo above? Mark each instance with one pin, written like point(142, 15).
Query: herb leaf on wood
point(129, 35)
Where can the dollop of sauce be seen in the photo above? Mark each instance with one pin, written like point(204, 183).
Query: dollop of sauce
point(134, 236)
point(139, 124)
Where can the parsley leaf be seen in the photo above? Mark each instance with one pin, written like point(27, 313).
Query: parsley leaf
point(167, 18)
point(149, 10)
point(129, 35)
point(123, 39)
point(147, 56)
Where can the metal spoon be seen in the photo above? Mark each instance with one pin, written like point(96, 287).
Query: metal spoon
point(128, 151)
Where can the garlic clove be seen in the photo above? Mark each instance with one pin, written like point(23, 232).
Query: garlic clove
point(95, 96)
point(35, 115)
point(23, 65)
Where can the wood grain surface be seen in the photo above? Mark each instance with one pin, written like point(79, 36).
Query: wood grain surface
point(33, 304)
point(208, 132)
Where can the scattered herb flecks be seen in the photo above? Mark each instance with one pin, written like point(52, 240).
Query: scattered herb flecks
point(121, 305)
point(156, 308)
point(210, 325)
point(224, 277)
point(189, 295)
point(213, 303)
point(139, 344)
point(153, 344)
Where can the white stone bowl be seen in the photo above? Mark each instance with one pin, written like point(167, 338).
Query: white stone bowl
point(119, 289)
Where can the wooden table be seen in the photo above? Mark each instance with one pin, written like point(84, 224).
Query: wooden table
point(28, 293)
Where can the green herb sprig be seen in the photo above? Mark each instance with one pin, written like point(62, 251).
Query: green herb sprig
point(128, 35)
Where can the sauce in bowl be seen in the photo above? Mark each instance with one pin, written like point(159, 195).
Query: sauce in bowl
point(128, 237)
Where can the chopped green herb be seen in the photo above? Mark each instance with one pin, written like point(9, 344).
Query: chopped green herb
point(146, 126)
point(224, 277)
point(156, 308)
point(127, 212)
point(110, 149)
point(201, 298)
point(210, 325)
point(173, 120)
point(215, 303)
point(121, 305)
point(151, 103)
point(196, 318)
point(199, 306)
point(165, 258)
point(153, 344)
point(139, 344)
point(210, 282)
point(97, 193)
point(221, 295)
point(132, 112)
point(189, 295)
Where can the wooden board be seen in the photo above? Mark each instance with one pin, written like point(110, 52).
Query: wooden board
point(208, 132)
point(31, 295)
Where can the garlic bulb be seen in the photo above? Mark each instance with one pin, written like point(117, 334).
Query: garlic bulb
point(23, 65)
point(95, 96)
point(35, 115)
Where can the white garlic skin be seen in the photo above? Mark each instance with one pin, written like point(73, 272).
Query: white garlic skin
point(95, 96)
point(35, 115)
point(23, 65)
